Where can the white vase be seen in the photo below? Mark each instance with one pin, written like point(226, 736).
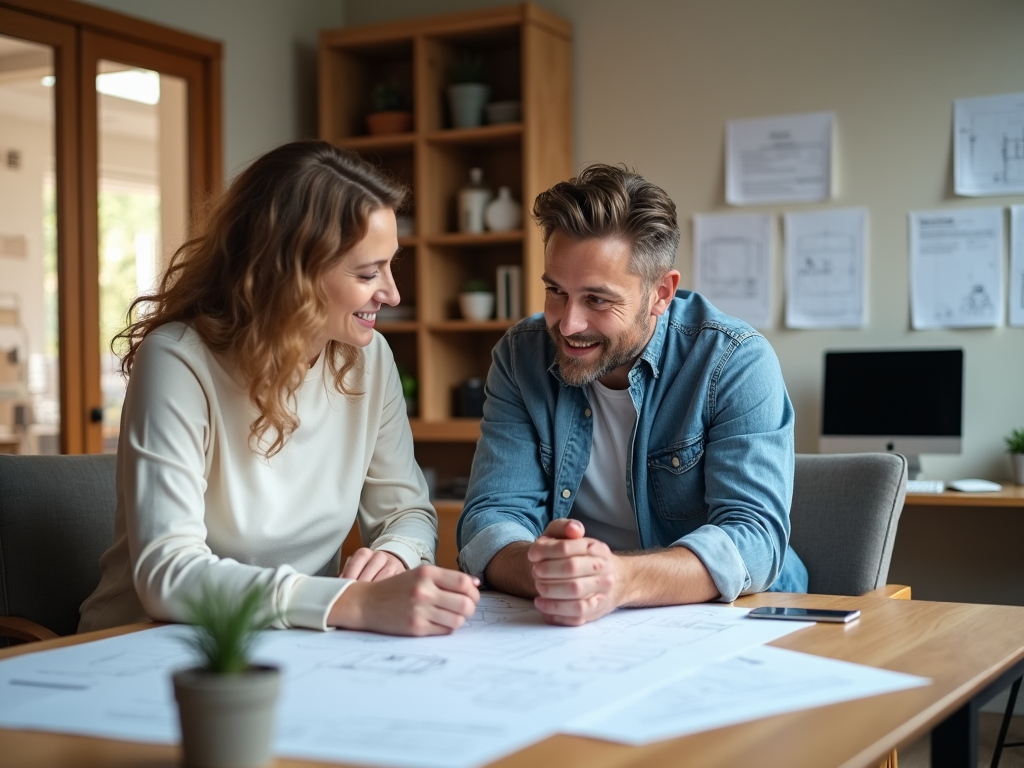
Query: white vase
point(503, 214)
point(476, 306)
point(473, 200)
point(467, 101)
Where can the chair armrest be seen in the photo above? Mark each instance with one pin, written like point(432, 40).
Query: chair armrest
point(895, 591)
point(23, 629)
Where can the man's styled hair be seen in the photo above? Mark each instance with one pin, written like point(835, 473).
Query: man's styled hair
point(612, 201)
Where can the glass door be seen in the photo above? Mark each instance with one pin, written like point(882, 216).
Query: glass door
point(150, 167)
point(37, 233)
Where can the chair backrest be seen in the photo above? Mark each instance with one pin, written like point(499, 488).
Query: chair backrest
point(844, 516)
point(56, 519)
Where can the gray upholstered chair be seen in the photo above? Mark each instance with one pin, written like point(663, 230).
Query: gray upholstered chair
point(56, 519)
point(844, 516)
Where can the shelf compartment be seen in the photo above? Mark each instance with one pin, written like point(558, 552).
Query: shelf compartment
point(449, 358)
point(348, 75)
point(451, 268)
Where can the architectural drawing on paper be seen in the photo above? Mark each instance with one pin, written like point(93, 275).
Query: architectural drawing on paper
point(995, 146)
point(511, 687)
point(827, 265)
point(386, 663)
point(731, 268)
point(491, 610)
point(977, 302)
point(613, 658)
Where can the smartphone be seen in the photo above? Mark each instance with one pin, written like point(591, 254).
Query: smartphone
point(804, 614)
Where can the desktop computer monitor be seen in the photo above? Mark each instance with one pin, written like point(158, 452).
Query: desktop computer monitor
point(903, 401)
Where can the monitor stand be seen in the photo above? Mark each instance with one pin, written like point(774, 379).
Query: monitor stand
point(913, 466)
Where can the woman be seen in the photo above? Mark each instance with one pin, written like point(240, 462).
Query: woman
point(263, 413)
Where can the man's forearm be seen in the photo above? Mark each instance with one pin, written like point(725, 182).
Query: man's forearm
point(511, 571)
point(673, 576)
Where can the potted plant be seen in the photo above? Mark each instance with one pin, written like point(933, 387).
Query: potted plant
point(476, 302)
point(226, 704)
point(468, 94)
point(1015, 447)
point(391, 112)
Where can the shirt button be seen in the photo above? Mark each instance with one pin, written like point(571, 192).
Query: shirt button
point(587, 413)
point(675, 461)
point(566, 493)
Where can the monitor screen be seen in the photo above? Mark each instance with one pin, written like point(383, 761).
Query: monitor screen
point(905, 401)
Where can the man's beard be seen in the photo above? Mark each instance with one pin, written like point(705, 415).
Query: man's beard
point(614, 353)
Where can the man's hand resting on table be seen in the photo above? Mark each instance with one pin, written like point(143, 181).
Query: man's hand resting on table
point(578, 579)
point(424, 601)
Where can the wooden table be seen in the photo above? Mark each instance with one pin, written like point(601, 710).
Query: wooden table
point(971, 652)
point(962, 547)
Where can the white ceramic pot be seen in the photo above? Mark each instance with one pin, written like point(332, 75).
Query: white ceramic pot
point(227, 721)
point(476, 306)
point(1018, 467)
point(503, 214)
point(467, 101)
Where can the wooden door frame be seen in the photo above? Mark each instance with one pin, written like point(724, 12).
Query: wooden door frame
point(80, 34)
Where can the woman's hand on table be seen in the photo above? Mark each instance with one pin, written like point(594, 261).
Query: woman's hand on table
point(372, 565)
point(424, 601)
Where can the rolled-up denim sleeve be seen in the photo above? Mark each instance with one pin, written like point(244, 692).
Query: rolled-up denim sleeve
point(749, 458)
point(508, 498)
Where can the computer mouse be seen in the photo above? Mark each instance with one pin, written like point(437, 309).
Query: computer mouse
point(973, 485)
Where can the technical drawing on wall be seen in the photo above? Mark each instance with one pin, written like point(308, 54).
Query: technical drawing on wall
point(989, 145)
point(825, 269)
point(956, 272)
point(732, 264)
point(1017, 265)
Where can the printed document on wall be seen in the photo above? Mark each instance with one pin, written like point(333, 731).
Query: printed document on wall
point(825, 269)
point(1017, 265)
point(956, 268)
point(732, 264)
point(783, 159)
point(989, 145)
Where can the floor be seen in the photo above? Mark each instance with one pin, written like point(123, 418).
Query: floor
point(918, 755)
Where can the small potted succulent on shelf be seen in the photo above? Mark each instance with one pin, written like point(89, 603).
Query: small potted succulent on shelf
point(1015, 447)
point(390, 109)
point(226, 704)
point(476, 302)
point(468, 94)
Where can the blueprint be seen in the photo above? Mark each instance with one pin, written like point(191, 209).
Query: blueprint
point(1017, 265)
point(783, 159)
point(732, 260)
point(826, 269)
point(989, 145)
point(956, 268)
point(770, 681)
point(503, 681)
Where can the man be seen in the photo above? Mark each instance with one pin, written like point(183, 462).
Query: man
point(637, 444)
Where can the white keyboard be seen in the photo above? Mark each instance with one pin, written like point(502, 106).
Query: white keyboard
point(925, 486)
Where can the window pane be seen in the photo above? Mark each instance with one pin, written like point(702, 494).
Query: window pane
point(29, 346)
point(143, 201)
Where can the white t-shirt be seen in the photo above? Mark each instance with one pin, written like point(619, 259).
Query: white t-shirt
point(602, 503)
point(195, 504)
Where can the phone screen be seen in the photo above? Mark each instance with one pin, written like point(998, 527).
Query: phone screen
point(804, 614)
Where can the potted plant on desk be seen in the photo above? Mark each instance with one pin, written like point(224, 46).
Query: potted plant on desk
point(226, 705)
point(1015, 446)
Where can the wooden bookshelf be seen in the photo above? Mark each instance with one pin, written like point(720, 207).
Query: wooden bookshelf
point(526, 53)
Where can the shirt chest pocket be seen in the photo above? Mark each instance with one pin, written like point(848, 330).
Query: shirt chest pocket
point(676, 475)
point(547, 459)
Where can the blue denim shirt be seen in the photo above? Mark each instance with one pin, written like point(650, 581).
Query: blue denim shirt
point(712, 453)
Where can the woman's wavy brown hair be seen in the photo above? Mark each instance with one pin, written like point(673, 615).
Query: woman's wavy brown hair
point(251, 283)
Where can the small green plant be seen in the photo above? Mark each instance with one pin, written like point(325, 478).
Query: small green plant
point(226, 627)
point(1015, 441)
point(388, 96)
point(468, 68)
point(476, 286)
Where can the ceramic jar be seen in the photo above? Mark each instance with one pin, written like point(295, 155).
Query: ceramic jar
point(467, 101)
point(503, 214)
point(476, 306)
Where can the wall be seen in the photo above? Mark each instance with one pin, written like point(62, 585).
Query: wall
point(655, 82)
point(269, 88)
